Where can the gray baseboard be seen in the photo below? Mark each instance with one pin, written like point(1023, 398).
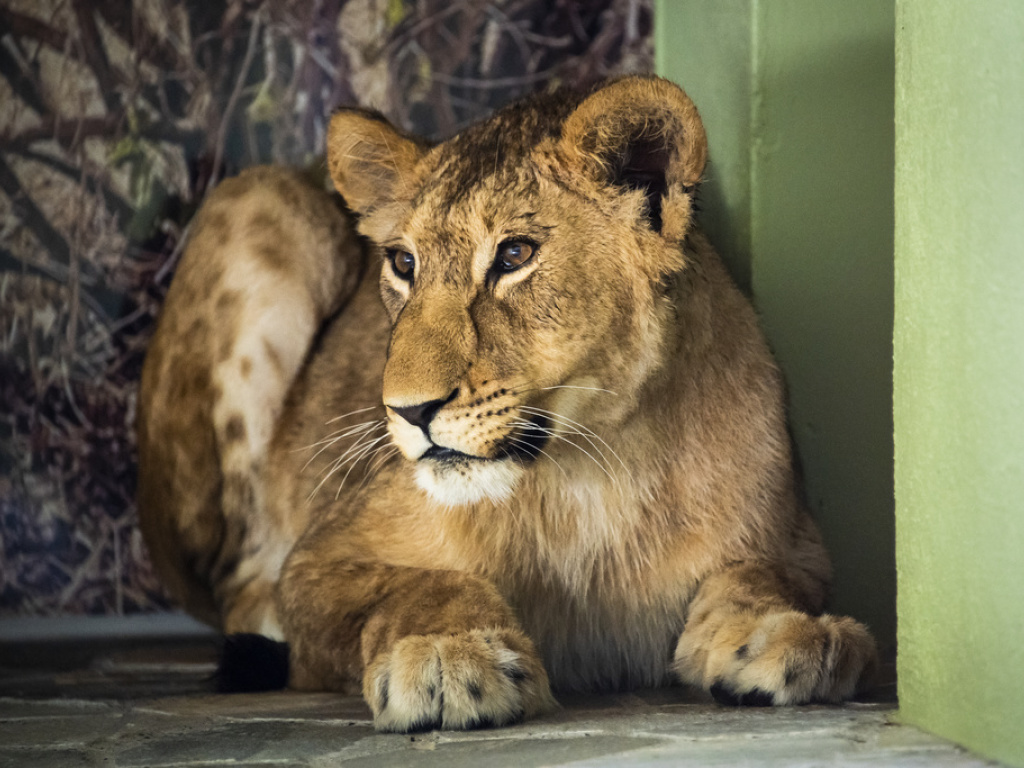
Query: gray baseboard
point(170, 625)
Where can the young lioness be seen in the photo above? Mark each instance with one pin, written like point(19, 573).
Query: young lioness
point(556, 452)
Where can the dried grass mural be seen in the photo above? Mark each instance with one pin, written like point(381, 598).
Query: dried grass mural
point(116, 116)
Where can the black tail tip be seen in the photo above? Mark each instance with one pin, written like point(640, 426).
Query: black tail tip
point(251, 663)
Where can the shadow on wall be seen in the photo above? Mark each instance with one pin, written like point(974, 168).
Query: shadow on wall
point(822, 278)
point(797, 99)
point(116, 117)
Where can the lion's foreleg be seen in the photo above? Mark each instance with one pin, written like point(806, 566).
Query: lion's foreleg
point(431, 648)
point(748, 640)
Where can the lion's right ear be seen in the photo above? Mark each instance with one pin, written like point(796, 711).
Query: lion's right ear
point(371, 162)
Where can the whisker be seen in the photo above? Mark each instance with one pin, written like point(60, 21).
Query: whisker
point(524, 388)
point(358, 445)
point(340, 433)
point(351, 455)
point(365, 433)
point(577, 446)
point(354, 461)
point(351, 413)
point(574, 386)
point(586, 432)
point(532, 447)
point(366, 429)
point(336, 436)
point(359, 450)
point(584, 429)
point(383, 456)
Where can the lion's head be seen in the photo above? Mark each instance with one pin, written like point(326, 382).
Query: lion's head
point(525, 269)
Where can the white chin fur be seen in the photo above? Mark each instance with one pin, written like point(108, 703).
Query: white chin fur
point(468, 482)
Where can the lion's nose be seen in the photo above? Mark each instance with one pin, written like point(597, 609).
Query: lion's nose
point(421, 414)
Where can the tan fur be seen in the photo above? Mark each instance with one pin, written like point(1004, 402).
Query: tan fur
point(616, 503)
point(269, 258)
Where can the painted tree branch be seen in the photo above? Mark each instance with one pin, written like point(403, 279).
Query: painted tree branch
point(22, 25)
point(68, 132)
point(116, 204)
point(21, 82)
point(95, 297)
point(28, 212)
point(96, 55)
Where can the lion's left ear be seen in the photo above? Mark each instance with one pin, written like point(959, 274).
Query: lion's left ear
point(641, 133)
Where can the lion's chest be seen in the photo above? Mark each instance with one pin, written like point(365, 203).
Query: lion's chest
point(592, 644)
point(597, 591)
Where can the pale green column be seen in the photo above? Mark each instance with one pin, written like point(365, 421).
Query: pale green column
point(959, 378)
point(797, 98)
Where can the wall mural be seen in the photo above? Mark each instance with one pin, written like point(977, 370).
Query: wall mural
point(116, 117)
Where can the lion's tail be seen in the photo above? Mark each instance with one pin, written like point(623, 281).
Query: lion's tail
point(251, 663)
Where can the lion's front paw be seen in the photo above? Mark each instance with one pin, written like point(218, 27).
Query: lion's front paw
point(473, 679)
point(777, 658)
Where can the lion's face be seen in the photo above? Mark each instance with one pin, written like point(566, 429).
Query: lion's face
point(512, 307)
point(524, 285)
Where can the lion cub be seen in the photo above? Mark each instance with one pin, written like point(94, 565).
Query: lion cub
point(555, 455)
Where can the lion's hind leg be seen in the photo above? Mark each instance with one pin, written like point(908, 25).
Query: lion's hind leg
point(269, 259)
point(748, 641)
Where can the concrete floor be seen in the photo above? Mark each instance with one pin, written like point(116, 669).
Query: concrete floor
point(72, 704)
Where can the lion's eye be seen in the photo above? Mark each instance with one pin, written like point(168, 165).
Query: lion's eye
point(512, 254)
point(403, 263)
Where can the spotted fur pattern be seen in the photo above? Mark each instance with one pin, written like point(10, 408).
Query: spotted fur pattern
point(270, 257)
point(555, 454)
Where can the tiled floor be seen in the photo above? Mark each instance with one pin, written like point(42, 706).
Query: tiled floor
point(151, 706)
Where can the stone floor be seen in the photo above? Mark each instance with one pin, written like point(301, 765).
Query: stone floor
point(87, 703)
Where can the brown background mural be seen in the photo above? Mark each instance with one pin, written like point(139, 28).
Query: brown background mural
point(116, 117)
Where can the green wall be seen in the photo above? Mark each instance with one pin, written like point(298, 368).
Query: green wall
point(797, 98)
point(959, 378)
